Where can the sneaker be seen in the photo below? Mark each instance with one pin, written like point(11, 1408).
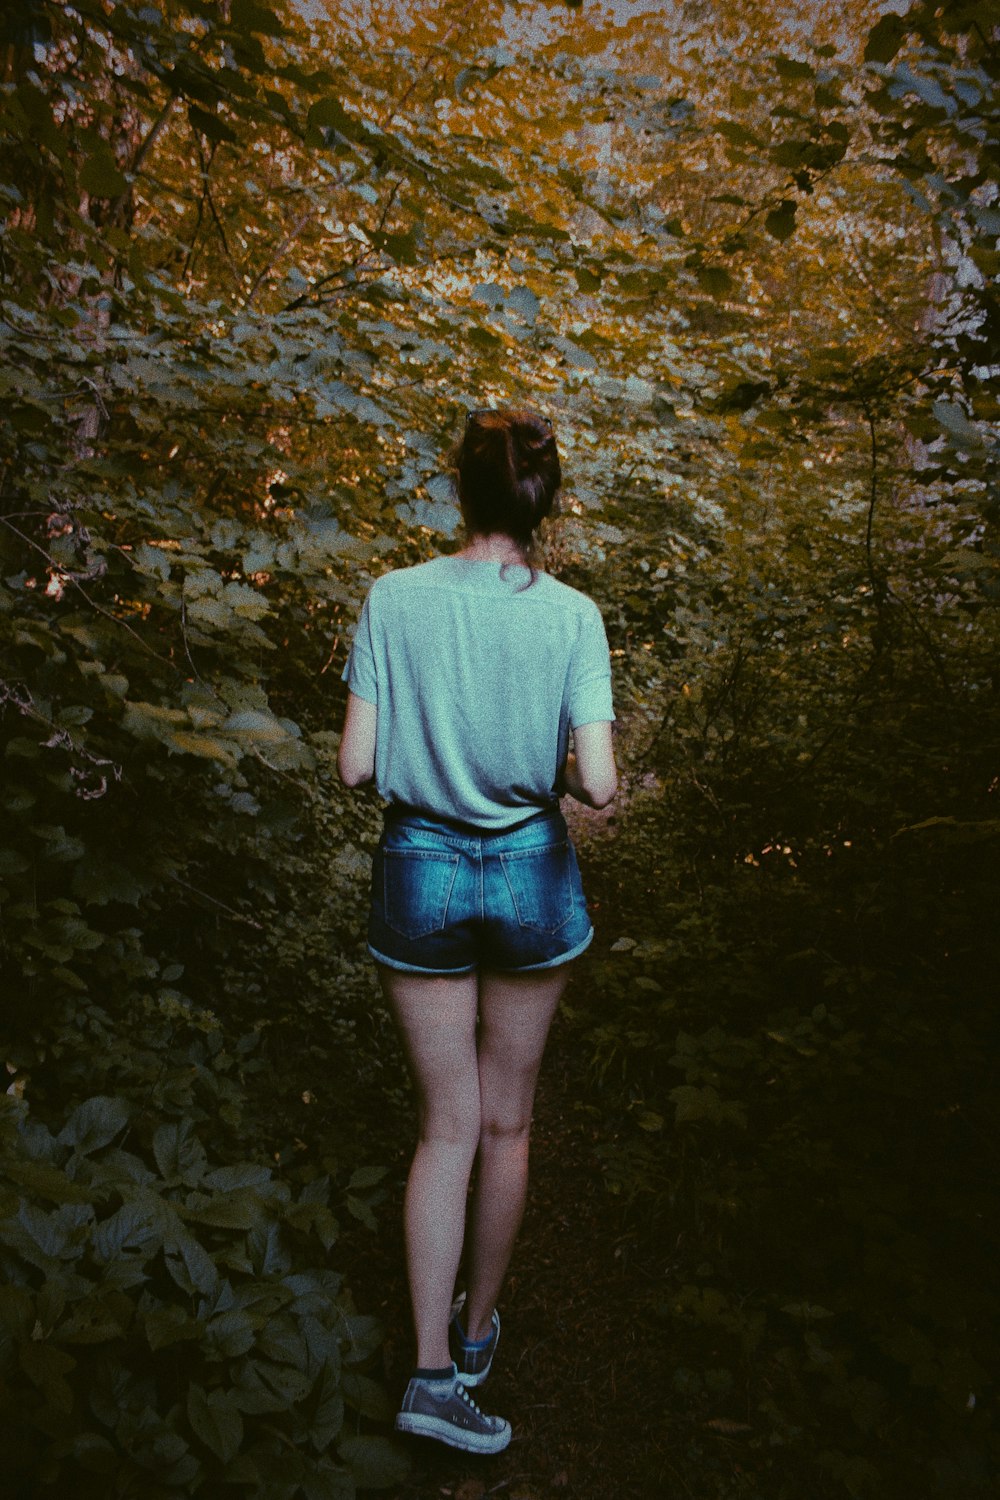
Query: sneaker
point(473, 1360)
point(443, 1409)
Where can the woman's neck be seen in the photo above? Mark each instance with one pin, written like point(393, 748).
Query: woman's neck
point(495, 546)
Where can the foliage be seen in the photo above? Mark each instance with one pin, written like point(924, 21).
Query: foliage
point(160, 1323)
point(256, 261)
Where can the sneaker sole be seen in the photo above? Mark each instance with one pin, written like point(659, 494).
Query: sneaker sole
point(446, 1432)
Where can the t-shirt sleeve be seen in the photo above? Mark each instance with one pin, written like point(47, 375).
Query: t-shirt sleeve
point(359, 673)
point(590, 673)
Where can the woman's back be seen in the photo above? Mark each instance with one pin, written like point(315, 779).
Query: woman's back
point(478, 680)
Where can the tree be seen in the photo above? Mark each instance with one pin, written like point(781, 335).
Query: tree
point(257, 261)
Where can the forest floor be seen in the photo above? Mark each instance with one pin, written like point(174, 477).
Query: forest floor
point(615, 1388)
point(580, 1370)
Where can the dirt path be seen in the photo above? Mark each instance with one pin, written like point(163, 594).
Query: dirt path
point(576, 1372)
point(579, 1371)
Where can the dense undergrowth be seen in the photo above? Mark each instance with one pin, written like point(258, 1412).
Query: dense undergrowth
point(798, 1034)
point(255, 267)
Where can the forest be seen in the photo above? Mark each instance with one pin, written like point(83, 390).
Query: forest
point(258, 260)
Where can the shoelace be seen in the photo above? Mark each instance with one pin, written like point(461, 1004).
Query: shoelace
point(461, 1391)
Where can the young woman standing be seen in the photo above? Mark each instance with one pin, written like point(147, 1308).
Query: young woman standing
point(467, 676)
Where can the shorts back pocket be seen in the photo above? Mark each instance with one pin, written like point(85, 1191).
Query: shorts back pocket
point(542, 885)
point(416, 889)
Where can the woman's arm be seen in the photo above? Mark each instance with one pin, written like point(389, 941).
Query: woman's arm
point(356, 756)
point(591, 775)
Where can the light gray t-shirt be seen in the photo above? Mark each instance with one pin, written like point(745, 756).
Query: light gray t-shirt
point(478, 681)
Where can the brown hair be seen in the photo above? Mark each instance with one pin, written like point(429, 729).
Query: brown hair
point(507, 472)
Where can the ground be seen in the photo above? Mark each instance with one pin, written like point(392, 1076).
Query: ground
point(579, 1368)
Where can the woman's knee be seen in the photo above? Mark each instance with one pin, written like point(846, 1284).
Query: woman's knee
point(507, 1128)
point(453, 1123)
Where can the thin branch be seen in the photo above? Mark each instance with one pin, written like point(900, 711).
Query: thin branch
point(187, 651)
point(99, 608)
point(286, 244)
point(333, 650)
point(396, 106)
point(928, 640)
point(877, 583)
point(199, 218)
point(206, 171)
point(153, 134)
point(59, 736)
point(355, 265)
point(239, 916)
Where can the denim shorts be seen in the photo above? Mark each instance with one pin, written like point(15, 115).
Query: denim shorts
point(448, 899)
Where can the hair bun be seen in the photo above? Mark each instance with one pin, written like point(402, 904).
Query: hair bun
point(508, 471)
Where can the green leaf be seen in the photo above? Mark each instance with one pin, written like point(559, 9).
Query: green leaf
point(178, 1153)
point(94, 1453)
point(131, 1228)
point(46, 1367)
point(281, 1342)
point(780, 222)
point(953, 419)
point(100, 175)
point(216, 1419)
point(885, 39)
point(94, 1123)
point(170, 1325)
point(214, 127)
point(736, 133)
point(246, 602)
point(324, 1409)
point(366, 1177)
point(12, 862)
point(250, 15)
point(359, 1209)
point(47, 1181)
point(153, 560)
point(715, 280)
point(264, 1387)
point(98, 880)
point(790, 67)
point(330, 114)
point(366, 1396)
point(256, 726)
point(364, 1334)
point(523, 300)
point(237, 1210)
point(243, 1175)
point(807, 1311)
point(229, 1335)
point(94, 1321)
point(267, 1249)
point(376, 1463)
point(191, 1266)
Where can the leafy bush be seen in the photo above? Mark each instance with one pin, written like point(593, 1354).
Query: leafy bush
point(171, 1322)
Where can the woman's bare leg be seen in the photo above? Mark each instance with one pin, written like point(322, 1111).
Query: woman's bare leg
point(437, 1023)
point(516, 1011)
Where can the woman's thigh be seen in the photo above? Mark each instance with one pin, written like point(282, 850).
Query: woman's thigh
point(516, 1012)
point(436, 1018)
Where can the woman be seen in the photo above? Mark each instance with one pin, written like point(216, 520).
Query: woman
point(466, 676)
